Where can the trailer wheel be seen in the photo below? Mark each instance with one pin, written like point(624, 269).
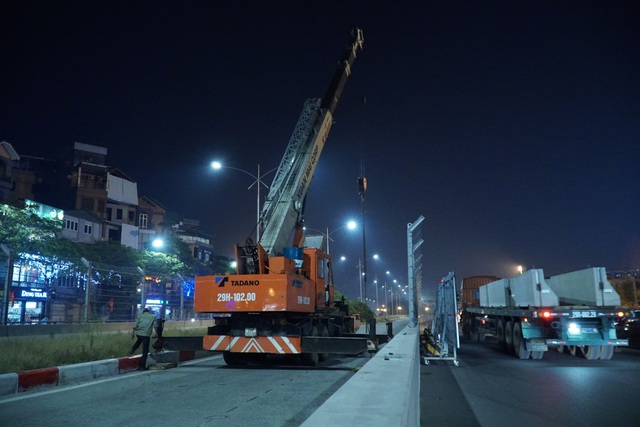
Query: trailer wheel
point(573, 350)
point(466, 328)
point(311, 359)
point(560, 349)
point(537, 355)
point(508, 337)
point(519, 345)
point(500, 335)
point(591, 352)
point(473, 333)
point(607, 352)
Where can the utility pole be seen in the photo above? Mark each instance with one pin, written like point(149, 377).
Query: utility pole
point(143, 285)
point(362, 188)
point(7, 282)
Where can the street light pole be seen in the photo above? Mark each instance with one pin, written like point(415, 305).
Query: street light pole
point(7, 282)
point(258, 208)
point(258, 181)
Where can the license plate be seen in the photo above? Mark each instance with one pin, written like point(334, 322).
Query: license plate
point(250, 332)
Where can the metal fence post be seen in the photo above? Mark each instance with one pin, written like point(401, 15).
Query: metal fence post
point(87, 287)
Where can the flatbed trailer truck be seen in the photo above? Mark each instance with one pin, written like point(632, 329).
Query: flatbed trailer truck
point(528, 315)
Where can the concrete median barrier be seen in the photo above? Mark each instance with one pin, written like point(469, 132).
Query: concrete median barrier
point(36, 378)
point(384, 392)
point(82, 372)
point(8, 384)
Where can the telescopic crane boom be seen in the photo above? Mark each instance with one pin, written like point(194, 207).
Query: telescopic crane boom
point(283, 208)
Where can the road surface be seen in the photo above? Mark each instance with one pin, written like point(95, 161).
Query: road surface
point(490, 388)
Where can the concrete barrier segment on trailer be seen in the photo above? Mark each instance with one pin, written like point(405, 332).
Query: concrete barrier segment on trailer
point(384, 392)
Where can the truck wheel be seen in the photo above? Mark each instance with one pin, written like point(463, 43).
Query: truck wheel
point(607, 352)
point(234, 359)
point(473, 332)
point(519, 345)
point(591, 352)
point(500, 335)
point(573, 350)
point(537, 355)
point(508, 337)
point(324, 332)
point(311, 359)
point(466, 329)
point(560, 349)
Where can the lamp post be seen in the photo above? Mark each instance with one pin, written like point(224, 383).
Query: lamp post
point(351, 225)
point(258, 180)
point(7, 281)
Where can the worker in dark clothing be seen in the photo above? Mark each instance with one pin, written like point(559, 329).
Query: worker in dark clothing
point(143, 330)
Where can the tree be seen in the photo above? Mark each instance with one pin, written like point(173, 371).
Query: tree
point(23, 230)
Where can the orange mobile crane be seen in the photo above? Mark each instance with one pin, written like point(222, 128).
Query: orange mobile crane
point(281, 301)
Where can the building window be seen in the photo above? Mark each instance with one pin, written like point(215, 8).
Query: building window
point(118, 213)
point(100, 209)
point(86, 203)
point(109, 214)
point(131, 216)
point(71, 225)
point(88, 229)
point(144, 218)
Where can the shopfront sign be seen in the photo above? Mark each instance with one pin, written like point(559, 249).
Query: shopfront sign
point(32, 293)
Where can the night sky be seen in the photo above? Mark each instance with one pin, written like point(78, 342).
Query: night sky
point(512, 127)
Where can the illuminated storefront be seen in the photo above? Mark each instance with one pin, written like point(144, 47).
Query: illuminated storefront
point(27, 305)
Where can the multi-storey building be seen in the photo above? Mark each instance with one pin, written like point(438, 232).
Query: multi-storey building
point(99, 203)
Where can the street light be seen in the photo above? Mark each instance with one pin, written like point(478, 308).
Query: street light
point(351, 225)
point(157, 243)
point(258, 180)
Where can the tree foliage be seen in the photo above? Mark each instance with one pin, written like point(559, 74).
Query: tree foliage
point(22, 230)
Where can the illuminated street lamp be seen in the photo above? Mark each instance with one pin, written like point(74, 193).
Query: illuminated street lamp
point(258, 180)
point(520, 269)
point(351, 225)
point(157, 243)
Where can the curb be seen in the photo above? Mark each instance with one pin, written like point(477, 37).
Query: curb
point(23, 381)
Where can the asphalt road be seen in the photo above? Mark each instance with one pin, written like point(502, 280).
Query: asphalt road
point(199, 393)
point(490, 388)
point(203, 392)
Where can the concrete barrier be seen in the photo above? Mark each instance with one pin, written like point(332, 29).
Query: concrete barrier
point(384, 392)
point(37, 378)
point(128, 364)
point(8, 384)
point(80, 372)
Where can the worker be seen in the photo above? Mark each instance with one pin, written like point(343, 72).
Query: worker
point(143, 330)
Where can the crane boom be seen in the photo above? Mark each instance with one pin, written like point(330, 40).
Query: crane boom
point(281, 299)
point(282, 211)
